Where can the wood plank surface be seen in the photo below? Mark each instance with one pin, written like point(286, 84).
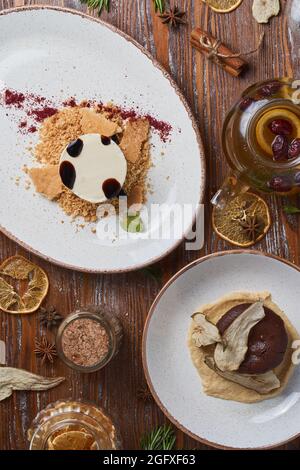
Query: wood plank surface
point(210, 92)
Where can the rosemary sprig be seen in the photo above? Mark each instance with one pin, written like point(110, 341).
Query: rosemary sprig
point(161, 438)
point(290, 209)
point(97, 5)
point(159, 5)
point(100, 4)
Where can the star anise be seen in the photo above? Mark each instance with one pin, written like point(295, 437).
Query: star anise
point(144, 394)
point(45, 349)
point(49, 317)
point(252, 226)
point(173, 17)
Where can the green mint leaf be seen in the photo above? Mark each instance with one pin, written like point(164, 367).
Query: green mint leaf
point(132, 223)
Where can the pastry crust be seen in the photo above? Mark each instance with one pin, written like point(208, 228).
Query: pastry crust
point(217, 386)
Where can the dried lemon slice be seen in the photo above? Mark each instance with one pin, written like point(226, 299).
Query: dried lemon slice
point(262, 129)
point(32, 286)
point(244, 221)
point(223, 6)
point(72, 440)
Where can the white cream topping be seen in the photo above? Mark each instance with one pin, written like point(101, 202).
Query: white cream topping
point(95, 164)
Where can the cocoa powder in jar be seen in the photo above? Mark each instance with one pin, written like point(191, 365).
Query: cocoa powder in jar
point(85, 342)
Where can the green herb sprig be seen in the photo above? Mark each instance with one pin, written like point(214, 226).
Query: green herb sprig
point(159, 5)
point(97, 5)
point(100, 4)
point(161, 438)
point(290, 209)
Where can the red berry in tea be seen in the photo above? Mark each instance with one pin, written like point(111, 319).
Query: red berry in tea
point(281, 127)
point(280, 147)
point(281, 184)
point(294, 149)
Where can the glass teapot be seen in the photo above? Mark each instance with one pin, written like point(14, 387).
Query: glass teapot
point(261, 140)
point(261, 133)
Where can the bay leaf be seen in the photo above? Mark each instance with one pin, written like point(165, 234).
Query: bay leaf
point(18, 379)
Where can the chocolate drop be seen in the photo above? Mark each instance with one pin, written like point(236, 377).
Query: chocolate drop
point(74, 148)
point(67, 173)
point(105, 140)
point(111, 188)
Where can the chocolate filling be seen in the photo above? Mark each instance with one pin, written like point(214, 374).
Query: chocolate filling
point(267, 342)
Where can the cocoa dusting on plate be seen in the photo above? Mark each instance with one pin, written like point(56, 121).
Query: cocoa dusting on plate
point(85, 342)
point(37, 108)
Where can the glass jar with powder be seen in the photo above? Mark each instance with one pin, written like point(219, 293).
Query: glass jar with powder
point(87, 340)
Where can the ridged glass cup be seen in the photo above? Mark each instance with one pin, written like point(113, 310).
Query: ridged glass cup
point(65, 416)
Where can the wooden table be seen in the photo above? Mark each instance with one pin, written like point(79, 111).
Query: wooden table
point(210, 92)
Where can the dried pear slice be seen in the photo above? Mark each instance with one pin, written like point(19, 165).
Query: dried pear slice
point(229, 355)
point(21, 269)
point(261, 383)
point(204, 332)
point(72, 440)
point(263, 10)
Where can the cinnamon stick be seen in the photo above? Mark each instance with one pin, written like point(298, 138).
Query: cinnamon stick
point(218, 52)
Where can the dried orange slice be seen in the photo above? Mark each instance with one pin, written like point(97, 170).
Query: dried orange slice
point(72, 440)
point(29, 288)
point(232, 223)
point(223, 6)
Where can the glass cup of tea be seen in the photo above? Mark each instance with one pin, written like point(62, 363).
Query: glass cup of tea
point(261, 141)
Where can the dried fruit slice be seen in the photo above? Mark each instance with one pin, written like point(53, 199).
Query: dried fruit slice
point(223, 6)
point(16, 267)
point(204, 332)
point(230, 355)
point(263, 10)
point(261, 383)
point(72, 440)
point(26, 299)
point(264, 135)
point(9, 298)
point(228, 222)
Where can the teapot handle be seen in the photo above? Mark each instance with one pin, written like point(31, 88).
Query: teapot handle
point(231, 188)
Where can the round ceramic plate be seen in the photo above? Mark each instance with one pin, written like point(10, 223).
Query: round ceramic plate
point(58, 53)
point(174, 381)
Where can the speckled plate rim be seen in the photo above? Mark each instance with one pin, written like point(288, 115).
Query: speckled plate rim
point(192, 118)
point(144, 341)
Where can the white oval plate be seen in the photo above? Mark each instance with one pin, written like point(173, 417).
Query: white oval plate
point(174, 381)
point(61, 53)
